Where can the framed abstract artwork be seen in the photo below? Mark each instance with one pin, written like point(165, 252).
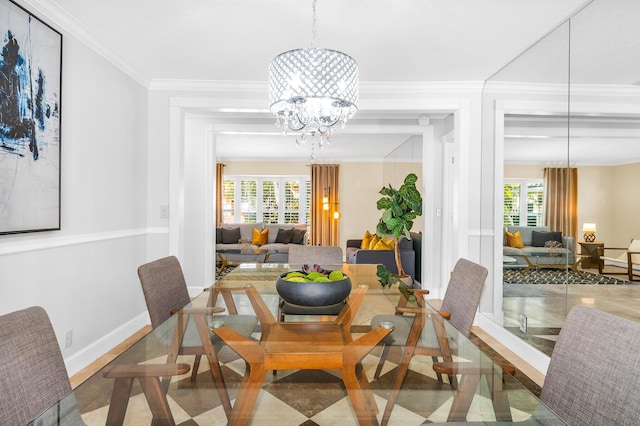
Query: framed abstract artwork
point(30, 111)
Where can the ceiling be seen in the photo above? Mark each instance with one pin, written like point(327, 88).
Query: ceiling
point(412, 41)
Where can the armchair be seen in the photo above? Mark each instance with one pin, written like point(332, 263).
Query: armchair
point(629, 260)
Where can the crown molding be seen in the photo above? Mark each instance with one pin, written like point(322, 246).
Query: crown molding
point(412, 87)
point(510, 87)
point(220, 86)
point(228, 86)
point(59, 18)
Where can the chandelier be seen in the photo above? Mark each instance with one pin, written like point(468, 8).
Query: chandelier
point(312, 89)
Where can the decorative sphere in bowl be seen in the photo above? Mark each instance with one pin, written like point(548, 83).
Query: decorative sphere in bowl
point(307, 293)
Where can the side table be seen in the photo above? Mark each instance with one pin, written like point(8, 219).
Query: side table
point(590, 252)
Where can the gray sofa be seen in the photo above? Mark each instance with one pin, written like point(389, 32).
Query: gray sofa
point(535, 250)
point(356, 255)
point(227, 240)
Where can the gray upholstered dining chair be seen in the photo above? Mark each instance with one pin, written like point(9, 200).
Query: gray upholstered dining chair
point(165, 292)
point(592, 375)
point(32, 371)
point(419, 336)
point(325, 256)
point(311, 255)
point(459, 304)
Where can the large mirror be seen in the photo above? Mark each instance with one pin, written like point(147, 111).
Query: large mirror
point(564, 121)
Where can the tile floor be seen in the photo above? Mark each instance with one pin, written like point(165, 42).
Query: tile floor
point(291, 397)
point(546, 306)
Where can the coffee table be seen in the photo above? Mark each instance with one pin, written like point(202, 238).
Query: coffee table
point(573, 266)
point(250, 256)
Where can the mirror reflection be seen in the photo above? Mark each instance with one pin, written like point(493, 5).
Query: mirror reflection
point(566, 130)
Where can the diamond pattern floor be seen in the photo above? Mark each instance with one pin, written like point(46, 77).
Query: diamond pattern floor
point(288, 398)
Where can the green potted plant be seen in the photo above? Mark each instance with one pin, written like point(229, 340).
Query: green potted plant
point(400, 207)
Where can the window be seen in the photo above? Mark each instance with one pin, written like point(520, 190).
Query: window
point(270, 198)
point(248, 201)
point(266, 199)
point(228, 200)
point(523, 202)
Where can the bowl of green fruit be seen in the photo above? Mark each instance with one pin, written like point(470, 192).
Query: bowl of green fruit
point(313, 286)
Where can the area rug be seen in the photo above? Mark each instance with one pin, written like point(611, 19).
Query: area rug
point(223, 273)
point(553, 276)
point(269, 272)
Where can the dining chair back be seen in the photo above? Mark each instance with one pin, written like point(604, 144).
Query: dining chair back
point(462, 297)
point(315, 255)
point(591, 379)
point(32, 371)
point(165, 292)
point(164, 287)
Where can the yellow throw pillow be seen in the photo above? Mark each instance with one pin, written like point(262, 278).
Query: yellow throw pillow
point(374, 241)
point(366, 240)
point(514, 240)
point(385, 245)
point(260, 238)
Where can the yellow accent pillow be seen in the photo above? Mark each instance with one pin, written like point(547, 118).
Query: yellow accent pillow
point(514, 240)
point(374, 241)
point(260, 238)
point(385, 245)
point(366, 240)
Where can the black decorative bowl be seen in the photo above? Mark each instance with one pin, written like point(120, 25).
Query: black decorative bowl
point(313, 294)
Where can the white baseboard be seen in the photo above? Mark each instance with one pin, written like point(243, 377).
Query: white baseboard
point(89, 354)
point(528, 353)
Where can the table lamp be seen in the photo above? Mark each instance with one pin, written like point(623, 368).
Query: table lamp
point(589, 230)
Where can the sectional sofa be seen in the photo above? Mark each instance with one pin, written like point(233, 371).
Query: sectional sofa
point(240, 236)
point(533, 247)
point(357, 255)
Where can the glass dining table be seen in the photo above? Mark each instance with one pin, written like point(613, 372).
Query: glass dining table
point(320, 369)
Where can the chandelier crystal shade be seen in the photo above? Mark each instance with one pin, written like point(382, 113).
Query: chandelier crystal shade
point(312, 89)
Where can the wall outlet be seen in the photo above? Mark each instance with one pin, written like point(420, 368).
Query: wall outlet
point(523, 323)
point(164, 212)
point(68, 338)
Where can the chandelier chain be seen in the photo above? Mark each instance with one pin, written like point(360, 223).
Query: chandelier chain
point(313, 24)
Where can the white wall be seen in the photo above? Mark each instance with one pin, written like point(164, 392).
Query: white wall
point(604, 199)
point(85, 274)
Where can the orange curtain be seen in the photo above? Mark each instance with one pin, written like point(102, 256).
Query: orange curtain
point(324, 182)
point(561, 200)
point(219, 179)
